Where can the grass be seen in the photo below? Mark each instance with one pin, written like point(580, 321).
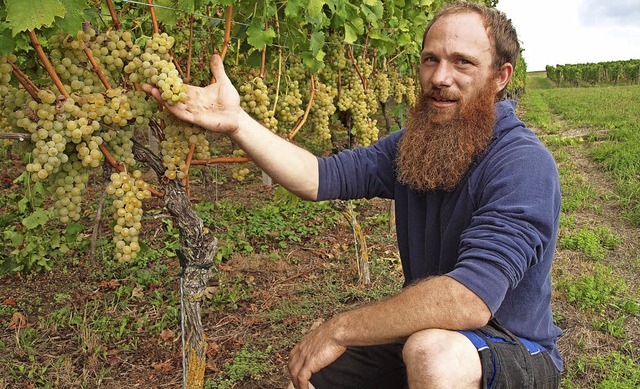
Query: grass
point(593, 134)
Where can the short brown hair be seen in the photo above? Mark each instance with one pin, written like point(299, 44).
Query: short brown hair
point(500, 30)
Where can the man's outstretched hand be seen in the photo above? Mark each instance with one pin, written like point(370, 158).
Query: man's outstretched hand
point(215, 107)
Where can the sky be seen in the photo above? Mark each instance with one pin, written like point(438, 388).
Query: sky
point(559, 32)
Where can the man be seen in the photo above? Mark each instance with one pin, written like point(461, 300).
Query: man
point(477, 207)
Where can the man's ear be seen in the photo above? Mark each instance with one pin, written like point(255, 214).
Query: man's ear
point(504, 75)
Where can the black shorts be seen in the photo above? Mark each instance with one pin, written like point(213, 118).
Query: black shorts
point(507, 362)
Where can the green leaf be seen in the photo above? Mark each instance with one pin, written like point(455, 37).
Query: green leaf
point(188, 6)
point(259, 37)
point(38, 218)
point(294, 8)
point(74, 17)
point(23, 18)
point(315, 8)
point(72, 231)
point(316, 43)
point(353, 29)
point(372, 9)
point(311, 62)
point(165, 13)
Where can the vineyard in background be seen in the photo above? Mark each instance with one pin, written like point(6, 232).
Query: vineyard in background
point(601, 73)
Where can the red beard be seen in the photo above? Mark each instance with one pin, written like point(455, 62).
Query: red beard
point(439, 145)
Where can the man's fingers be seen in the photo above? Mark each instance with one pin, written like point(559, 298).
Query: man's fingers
point(217, 69)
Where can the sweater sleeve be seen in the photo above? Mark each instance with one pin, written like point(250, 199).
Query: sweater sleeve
point(515, 226)
point(360, 173)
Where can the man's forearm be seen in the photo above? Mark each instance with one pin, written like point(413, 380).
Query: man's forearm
point(438, 302)
point(289, 165)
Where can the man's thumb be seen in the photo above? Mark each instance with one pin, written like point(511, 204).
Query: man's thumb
point(217, 68)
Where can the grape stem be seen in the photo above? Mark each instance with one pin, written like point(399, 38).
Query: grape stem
point(190, 52)
point(264, 55)
point(227, 32)
point(154, 20)
point(19, 136)
point(96, 68)
point(47, 64)
point(198, 162)
point(355, 65)
point(303, 119)
point(114, 15)
point(24, 80)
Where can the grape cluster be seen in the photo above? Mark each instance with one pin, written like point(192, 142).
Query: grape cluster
point(382, 86)
point(69, 186)
point(154, 66)
point(128, 192)
point(175, 147)
point(399, 88)
point(321, 111)
point(360, 104)
point(290, 106)
point(254, 99)
point(410, 90)
point(239, 173)
point(337, 60)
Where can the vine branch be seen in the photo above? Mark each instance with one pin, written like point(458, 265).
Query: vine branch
point(227, 32)
point(211, 161)
point(355, 65)
point(154, 20)
point(114, 15)
point(47, 64)
point(24, 80)
point(96, 68)
point(303, 119)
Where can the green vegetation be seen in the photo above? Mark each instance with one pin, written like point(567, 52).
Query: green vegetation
point(593, 134)
point(602, 73)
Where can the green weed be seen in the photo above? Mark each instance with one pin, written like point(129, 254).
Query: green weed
point(249, 363)
point(592, 242)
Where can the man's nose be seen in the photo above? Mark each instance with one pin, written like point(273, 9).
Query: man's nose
point(442, 75)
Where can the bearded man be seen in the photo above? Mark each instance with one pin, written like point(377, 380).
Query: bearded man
point(477, 207)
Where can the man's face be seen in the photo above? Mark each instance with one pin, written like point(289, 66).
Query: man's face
point(452, 121)
point(455, 63)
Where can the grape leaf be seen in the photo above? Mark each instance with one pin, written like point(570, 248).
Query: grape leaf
point(23, 18)
point(7, 42)
point(316, 43)
point(38, 218)
point(188, 6)
point(293, 8)
point(311, 61)
point(165, 12)
point(315, 7)
point(372, 10)
point(353, 29)
point(74, 17)
point(259, 37)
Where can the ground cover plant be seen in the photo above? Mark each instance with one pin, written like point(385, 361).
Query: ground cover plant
point(592, 133)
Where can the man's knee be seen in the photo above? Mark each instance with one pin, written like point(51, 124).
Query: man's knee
point(441, 356)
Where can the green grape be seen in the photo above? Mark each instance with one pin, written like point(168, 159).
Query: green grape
point(175, 147)
point(254, 99)
point(128, 192)
point(321, 110)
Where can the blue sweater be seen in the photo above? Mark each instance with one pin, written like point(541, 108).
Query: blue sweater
point(495, 233)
